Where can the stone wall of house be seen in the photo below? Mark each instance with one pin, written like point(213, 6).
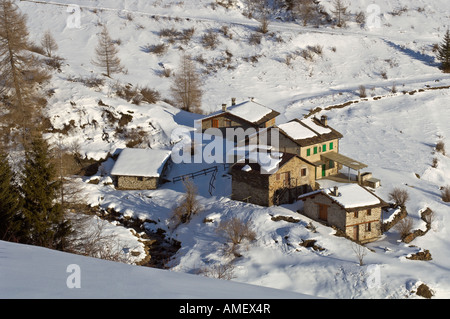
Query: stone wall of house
point(294, 168)
point(316, 157)
point(361, 219)
point(336, 214)
point(138, 183)
point(251, 187)
point(225, 120)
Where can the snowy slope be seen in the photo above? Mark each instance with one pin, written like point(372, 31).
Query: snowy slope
point(394, 133)
point(34, 272)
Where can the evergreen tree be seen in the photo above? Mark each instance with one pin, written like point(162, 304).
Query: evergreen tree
point(443, 52)
point(9, 201)
point(19, 70)
point(106, 54)
point(43, 221)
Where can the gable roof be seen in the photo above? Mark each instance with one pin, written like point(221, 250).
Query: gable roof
point(250, 111)
point(352, 197)
point(308, 131)
point(265, 162)
point(140, 162)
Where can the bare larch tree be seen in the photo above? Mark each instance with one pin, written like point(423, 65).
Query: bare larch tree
point(186, 88)
point(49, 43)
point(106, 54)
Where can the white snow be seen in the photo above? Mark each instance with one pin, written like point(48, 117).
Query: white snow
point(249, 111)
point(140, 162)
point(296, 131)
point(317, 128)
point(353, 195)
point(394, 133)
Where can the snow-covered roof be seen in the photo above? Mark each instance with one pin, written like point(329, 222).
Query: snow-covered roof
point(140, 162)
point(296, 131)
point(250, 111)
point(317, 128)
point(349, 196)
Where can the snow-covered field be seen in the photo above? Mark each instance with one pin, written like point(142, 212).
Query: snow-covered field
point(394, 133)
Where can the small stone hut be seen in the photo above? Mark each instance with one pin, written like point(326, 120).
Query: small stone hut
point(351, 208)
point(140, 169)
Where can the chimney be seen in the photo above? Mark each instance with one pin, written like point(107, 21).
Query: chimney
point(335, 191)
point(233, 101)
point(324, 120)
point(224, 107)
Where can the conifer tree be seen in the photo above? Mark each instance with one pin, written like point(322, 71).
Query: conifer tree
point(106, 54)
point(19, 70)
point(43, 221)
point(49, 43)
point(443, 52)
point(186, 88)
point(9, 201)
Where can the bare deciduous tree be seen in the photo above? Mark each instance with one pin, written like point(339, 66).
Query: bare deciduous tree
point(106, 54)
point(188, 206)
point(306, 10)
point(236, 230)
point(49, 43)
point(404, 227)
point(360, 252)
point(186, 87)
point(399, 196)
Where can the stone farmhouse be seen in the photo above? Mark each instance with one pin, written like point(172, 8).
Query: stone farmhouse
point(314, 140)
point(271, 178)
point(140, 169)
point(351, 208)
point(248, 114)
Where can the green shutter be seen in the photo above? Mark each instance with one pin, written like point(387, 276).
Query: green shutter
point(324, 148)
point(315, 149)
point(331, 146)
point(308, 152)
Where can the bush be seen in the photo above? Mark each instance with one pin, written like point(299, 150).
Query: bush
point(210, 40)
point(362, 91)
point(404, 227)
point(236, 230)
point(158, 49)
point(440, 147)
point(188, 206)
point(255, 39)
point(150, 96)
point(399, 196)
point(446, 194)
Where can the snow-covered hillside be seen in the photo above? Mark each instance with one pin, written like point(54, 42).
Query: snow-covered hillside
point(393, 132)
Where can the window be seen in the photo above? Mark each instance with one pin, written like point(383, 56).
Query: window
point(369, 212)
point(303, 172)
point(324, 147)
point(331, 164)
point(278, 177)
point(227, 123)
point(215, 123)
point(315, 149)
point(308, 152)
point(331, 146)
point(368, 227)
point(356, 214)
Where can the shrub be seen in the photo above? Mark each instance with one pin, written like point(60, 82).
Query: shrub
point(440, 147)
point(210, 40)
point(255, 38)
point(399, 196)
point(404, 227)
point(188, 206)
point(236, 230)
point(150, 96)
point(362, 91)
point(158, 49)
point(446, 194)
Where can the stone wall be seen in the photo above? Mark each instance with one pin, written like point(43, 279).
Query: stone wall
point(362, 220)
point(138, 183)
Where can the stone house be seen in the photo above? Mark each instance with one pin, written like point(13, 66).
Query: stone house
point(248, 114)
point(271, 178)
point(315, 141)
point(140, 169)
point(350, 207)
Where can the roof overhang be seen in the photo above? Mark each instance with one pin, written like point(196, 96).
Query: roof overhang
point(344, 160)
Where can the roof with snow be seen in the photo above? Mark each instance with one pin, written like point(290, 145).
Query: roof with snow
point(350, 197)
point(308, 131)
point(249, 111)
point(140, 162)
